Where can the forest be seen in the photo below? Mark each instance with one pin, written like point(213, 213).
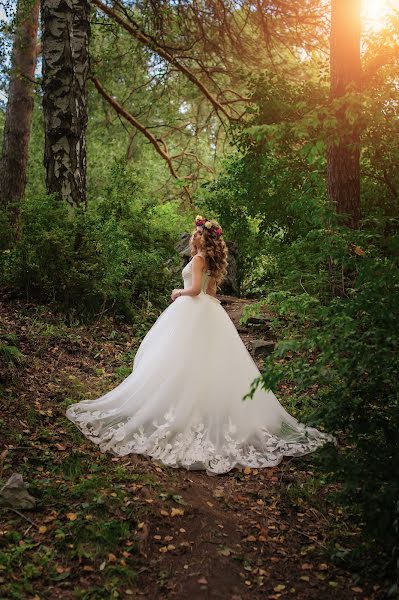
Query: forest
point(120, 121)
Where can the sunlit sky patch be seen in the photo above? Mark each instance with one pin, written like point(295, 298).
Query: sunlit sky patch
point(375, 12)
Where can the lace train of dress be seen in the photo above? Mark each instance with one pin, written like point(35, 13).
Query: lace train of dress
point(182, 403)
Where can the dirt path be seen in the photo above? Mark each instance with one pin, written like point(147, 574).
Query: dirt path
point(108, 527)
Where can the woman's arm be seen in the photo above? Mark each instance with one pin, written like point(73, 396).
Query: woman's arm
point(198, 263)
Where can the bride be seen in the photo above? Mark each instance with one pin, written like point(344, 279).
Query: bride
point(182, 403)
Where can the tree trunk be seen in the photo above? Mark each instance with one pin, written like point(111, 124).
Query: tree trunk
point(19, 107)
point(65, 45)
point(343, 157)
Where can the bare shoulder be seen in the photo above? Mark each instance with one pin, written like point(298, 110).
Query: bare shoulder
point(199, 259)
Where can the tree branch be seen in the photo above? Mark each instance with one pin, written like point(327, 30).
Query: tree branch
point(132, 28)
point(140, 127)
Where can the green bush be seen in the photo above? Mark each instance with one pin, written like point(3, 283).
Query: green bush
point(345, 349)
point(114, 256)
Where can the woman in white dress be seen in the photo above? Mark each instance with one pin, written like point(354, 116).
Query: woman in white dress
point(182, 403)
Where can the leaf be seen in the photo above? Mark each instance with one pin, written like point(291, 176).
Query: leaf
point(279, 588)
point(250, 538)
point(176, 512)
point(218, 492)
point(225, 551)
point(167, 548)
point(61, 447)
point(71, 516)
point(358, 250)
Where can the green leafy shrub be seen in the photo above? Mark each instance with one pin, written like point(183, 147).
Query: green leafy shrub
point(345, 350)
point(114, 256)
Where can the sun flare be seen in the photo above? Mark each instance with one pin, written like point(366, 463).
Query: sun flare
point(375, 12)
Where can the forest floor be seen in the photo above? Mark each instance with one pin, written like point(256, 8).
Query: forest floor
point(106, 527)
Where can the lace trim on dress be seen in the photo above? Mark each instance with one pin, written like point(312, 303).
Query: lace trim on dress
point(191, 449)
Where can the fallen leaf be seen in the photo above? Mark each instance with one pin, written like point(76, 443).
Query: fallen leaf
point(176, 512)
point(167, 548)
point(61, 447)
point(61, 569)
point(71, 516)
point(202, 581)
point(225, 551)
point(358, 250)
point(218, 492)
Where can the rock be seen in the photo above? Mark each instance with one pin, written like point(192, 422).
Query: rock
point(242, 329)
point(262, 347)
point(259, 323)
point(15, 493)
point(259, 320)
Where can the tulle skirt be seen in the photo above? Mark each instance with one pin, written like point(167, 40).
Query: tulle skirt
point(182, 403)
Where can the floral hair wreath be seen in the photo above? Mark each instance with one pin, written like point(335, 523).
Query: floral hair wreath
point(213, 228)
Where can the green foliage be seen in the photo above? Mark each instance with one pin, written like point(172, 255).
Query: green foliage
point(115, 256)
point(344, 348)
point(10, 355)
point(335, 290)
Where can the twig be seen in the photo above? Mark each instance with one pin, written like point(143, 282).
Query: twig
point(22, 515)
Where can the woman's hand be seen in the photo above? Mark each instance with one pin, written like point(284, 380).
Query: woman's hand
point(175, 294)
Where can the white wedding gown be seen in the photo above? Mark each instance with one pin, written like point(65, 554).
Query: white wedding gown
point(182, 403)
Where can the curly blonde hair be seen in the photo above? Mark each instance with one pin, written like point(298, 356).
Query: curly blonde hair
point(216, 252)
